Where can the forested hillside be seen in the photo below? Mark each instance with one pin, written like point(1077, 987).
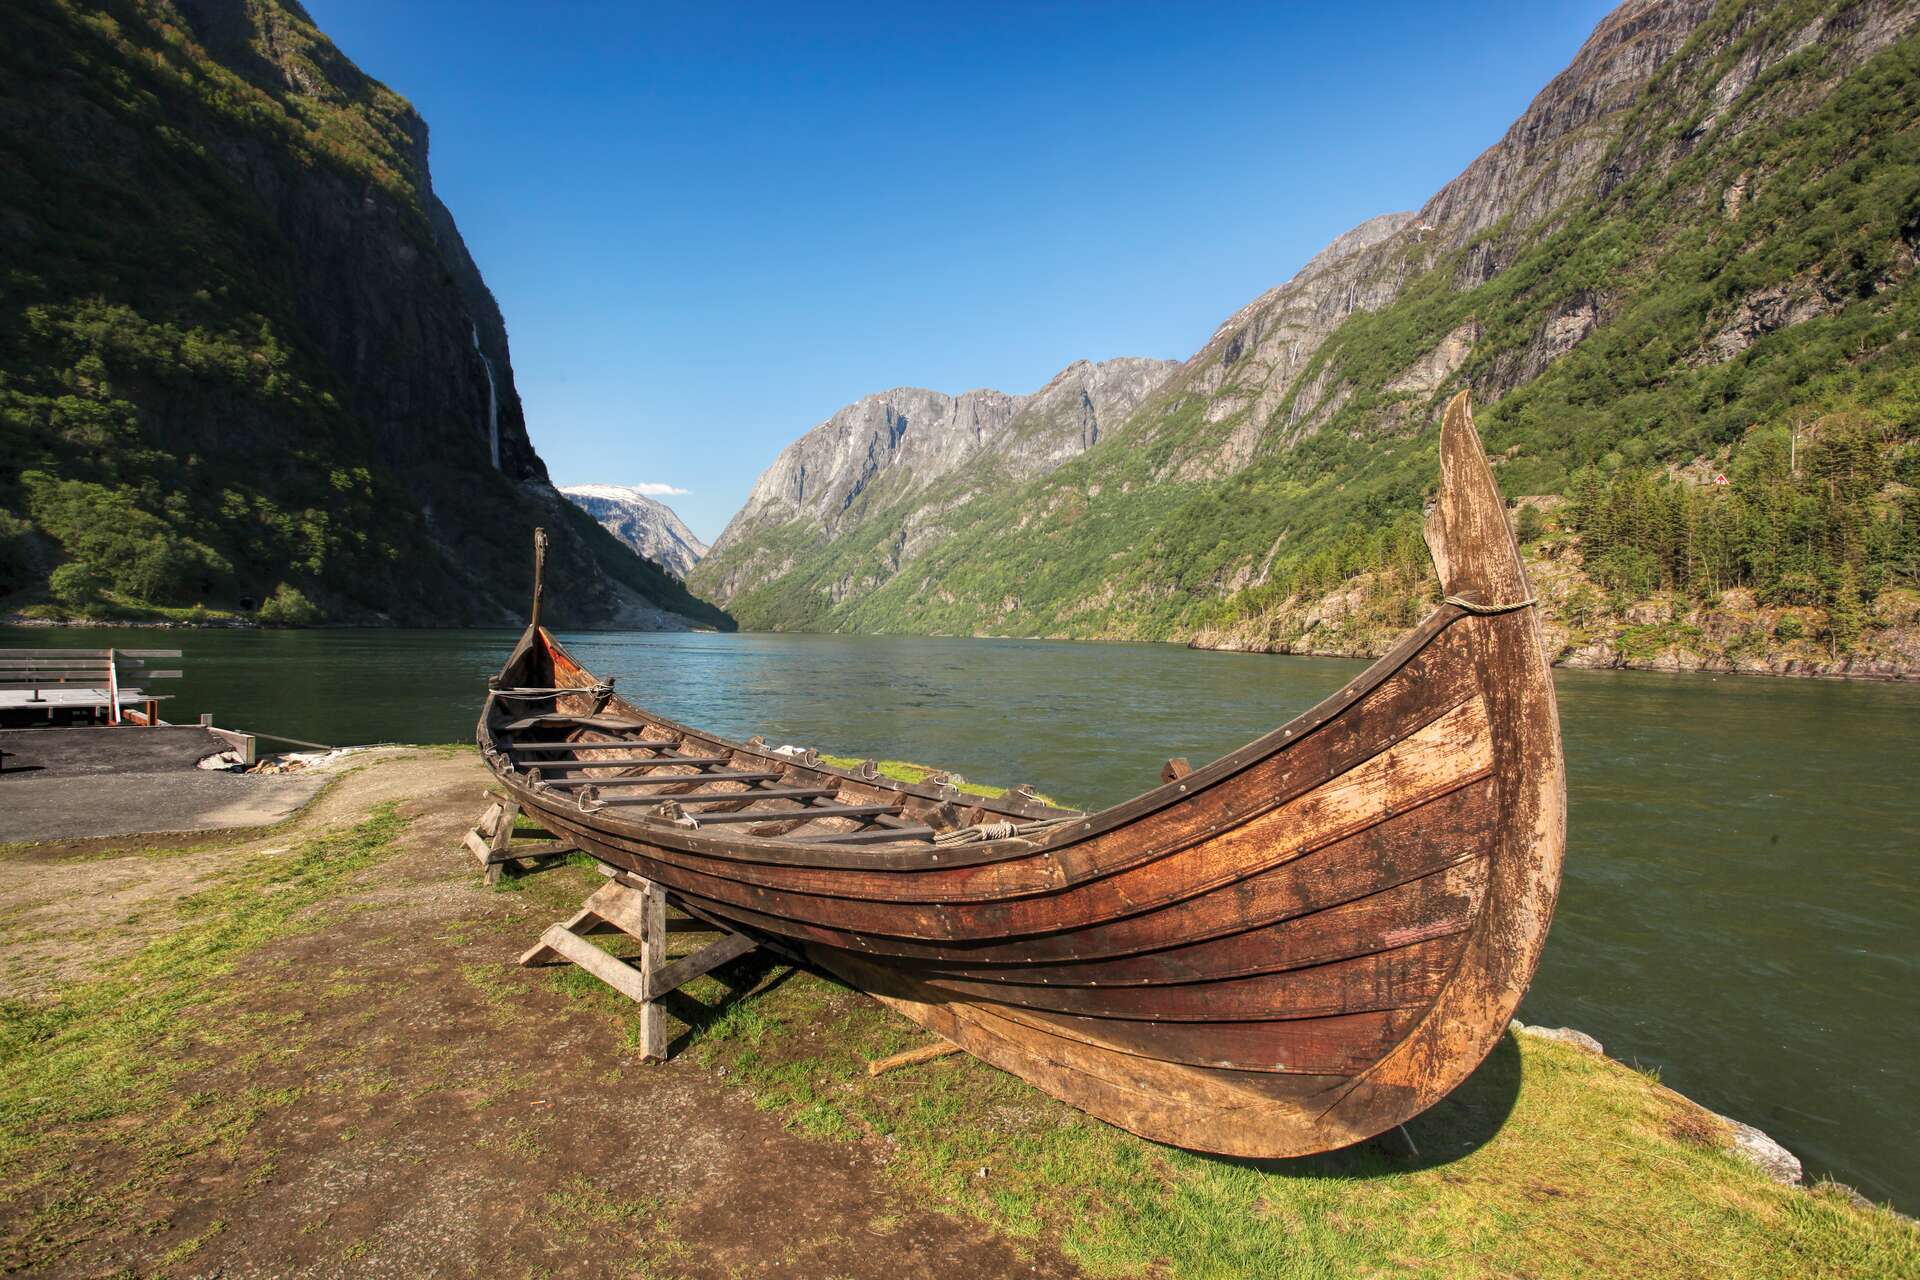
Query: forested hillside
point(247, 367)
point(1692, 258)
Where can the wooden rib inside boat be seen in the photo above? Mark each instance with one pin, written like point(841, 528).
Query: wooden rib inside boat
point(1288, 950)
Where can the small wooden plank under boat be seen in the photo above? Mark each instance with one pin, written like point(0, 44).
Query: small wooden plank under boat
point(1295, 947)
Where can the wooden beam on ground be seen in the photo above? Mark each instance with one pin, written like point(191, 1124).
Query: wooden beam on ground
point(925, 1053)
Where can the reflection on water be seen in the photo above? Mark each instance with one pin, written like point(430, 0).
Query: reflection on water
point(1738, 908)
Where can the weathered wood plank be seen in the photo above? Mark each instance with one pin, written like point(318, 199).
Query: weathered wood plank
point(672, 976)
point(610, 969)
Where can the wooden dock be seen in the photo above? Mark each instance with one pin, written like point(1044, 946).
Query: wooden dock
point(80, 686)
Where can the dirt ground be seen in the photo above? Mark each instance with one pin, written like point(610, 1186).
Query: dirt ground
point(403, 1099)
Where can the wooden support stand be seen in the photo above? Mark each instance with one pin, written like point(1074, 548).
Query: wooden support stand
point(491, 839)
point(638, 908)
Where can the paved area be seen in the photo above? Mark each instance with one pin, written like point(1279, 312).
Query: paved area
point(72, 784)
point(97, 749)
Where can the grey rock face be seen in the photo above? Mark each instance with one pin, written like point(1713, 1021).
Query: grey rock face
point(909, 440)
point(644, 523)
point(1760, 313)
point(1565, 1035)
point(1763, 1153)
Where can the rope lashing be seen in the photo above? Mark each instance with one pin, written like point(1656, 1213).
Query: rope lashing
point(1474, 606)
point(981, 832)
point(598, 691)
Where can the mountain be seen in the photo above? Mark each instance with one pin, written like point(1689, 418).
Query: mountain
point(245, 358)
point(645, 524)
point(872, 488)
point(1691, 257)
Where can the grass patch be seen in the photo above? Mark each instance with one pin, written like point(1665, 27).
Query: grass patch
point(908, 772)
point(582, 1213)
point(104, 1054)
point(1549, 1161)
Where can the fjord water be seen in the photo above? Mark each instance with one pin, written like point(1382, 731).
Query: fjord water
point(1739, 909)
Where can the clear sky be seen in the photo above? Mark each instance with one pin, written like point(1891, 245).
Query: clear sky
point(709, 226)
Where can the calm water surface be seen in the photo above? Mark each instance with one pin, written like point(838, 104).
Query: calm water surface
point(1739, 908)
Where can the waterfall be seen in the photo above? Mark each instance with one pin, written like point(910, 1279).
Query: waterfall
point(493, 399)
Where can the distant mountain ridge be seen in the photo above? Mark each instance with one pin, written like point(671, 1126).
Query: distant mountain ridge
point(882, 471)
point(647, 525)
point(245, 357)
point(1697, 243)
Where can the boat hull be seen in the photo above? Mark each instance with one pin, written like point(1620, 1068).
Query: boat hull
point(1293, 948)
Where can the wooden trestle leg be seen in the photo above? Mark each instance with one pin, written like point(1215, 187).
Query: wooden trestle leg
point(491, 839)
point(637, 907)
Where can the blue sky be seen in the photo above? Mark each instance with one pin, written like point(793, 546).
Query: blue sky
point(710, 226)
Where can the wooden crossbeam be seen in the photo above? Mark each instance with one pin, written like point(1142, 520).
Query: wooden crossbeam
point(685, 779)
point(702, 962)
point(809, 813)
point(615, 762)
point(867, 837)
point(638, 744)
point(658, 780)
point(762, 793)
point(584, 722)
point(655, 762)
point(682, 779)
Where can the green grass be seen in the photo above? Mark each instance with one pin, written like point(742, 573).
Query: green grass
point(107, 1051)
point(1549, 1162)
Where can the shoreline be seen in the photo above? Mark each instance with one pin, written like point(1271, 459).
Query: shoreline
point(1597, 657)
point(1575, 660)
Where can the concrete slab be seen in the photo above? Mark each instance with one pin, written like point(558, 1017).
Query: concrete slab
point(78, 807)
point(80, 783)
point(101, 749)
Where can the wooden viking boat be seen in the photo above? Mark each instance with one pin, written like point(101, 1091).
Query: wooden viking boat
point(1293, 948)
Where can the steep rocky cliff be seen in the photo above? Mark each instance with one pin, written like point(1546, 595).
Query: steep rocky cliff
point(844, 507)
point(1696, 246)
point(247, 356)
point(644, 523)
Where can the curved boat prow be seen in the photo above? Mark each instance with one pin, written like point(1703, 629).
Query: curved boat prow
point(1473, 549)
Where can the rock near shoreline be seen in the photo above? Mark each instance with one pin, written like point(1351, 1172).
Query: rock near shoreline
point(1745, 1141)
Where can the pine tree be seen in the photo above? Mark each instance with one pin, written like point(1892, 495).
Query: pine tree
point(1845, 616)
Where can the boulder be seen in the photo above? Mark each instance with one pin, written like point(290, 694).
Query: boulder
point(1565, 1035)
point(1763, 1153)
